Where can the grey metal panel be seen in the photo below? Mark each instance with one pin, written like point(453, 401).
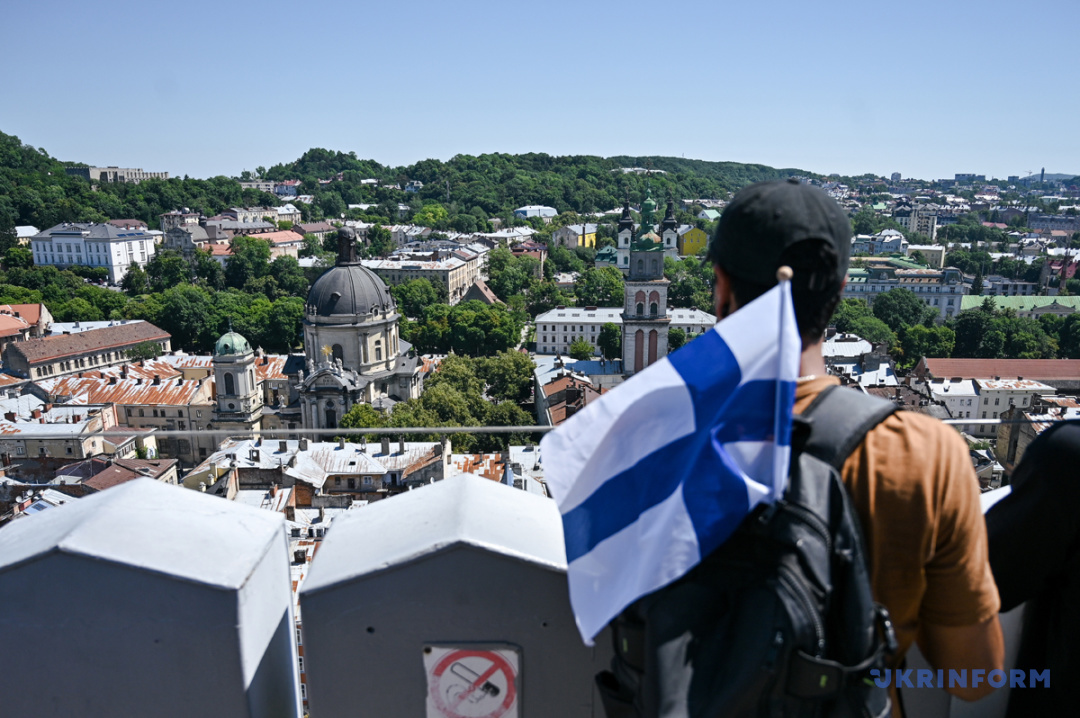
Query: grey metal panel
point(462, 562)
point(90, 638)
point(463, 508)
point(366, 637)
point(147, 599)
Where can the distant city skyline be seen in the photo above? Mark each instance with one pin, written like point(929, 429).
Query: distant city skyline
point(925, 89)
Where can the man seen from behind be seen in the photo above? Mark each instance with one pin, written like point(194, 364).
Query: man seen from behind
point(911, 480)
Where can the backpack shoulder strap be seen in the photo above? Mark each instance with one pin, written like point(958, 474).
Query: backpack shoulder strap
point(840, 419)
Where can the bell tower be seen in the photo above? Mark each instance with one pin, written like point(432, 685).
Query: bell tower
point(239, 401)
point(645, 316)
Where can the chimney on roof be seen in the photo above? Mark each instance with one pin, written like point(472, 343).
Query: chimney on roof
point(341, 442)
point(10, 416)
point(157, 379)
point(385, 444)
point(112, 380)
point(290, 513)
point(273, 489)
point(303, 443)
point(283, 446)
point(401, 444)
point(36, 414)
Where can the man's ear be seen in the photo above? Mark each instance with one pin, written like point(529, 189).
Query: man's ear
point(723, 298)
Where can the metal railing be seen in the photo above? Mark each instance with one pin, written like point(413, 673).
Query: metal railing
point(279, 433)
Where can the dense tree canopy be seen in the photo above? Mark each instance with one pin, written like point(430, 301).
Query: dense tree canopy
point(600, 288)
point(464, 391)
point(610, 341)
point(901, 308)
point(471, 328)
point(412, 296)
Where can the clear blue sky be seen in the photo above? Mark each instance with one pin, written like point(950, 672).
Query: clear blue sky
point(927, 89)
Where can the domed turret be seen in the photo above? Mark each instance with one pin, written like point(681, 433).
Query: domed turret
point(231, 344)
point(349, 290)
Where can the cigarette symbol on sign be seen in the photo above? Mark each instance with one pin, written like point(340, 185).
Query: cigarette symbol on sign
point(471, 677)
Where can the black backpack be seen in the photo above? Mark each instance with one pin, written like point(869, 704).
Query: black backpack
point(779, 620)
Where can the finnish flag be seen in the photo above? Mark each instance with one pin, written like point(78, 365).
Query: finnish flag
point(654, 475)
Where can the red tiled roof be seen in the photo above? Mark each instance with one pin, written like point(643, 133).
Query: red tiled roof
point(271, 367)
point(30, 312)
point(124, 470)
point(482, 292)
point(93, 340)
point(284, 237)
point(490, 466)
point(11, 326)
point(128, 223)
point(174, 392)
point(312, 227)
point(1036, 369)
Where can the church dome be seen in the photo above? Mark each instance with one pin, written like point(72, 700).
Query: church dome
point(231, 343)
point(349, 290)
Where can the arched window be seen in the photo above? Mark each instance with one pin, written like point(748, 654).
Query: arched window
point(251, 380)
point(641, 265)
point(652, 309)
point(230, 384)
point(331, 419)
point(339, 354)
point(626, 260)
point(640, 308)
point(378, 350)
point(654, 266)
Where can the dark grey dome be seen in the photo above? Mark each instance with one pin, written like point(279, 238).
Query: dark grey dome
point(349, 290)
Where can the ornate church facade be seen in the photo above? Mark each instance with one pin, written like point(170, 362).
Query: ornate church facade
point(353, 352)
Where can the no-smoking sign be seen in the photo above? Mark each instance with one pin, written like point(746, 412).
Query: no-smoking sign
point(467, 682)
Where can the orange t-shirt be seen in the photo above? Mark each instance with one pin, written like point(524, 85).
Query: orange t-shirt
point(917, 498)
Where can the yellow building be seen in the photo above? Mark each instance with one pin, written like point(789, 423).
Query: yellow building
point(575, 235)
point(691, 241)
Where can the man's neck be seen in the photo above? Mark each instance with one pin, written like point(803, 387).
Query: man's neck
point(812, 361)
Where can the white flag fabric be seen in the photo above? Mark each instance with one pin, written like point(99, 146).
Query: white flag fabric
point(654, 475)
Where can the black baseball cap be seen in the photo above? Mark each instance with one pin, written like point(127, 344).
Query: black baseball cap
point(764, 220)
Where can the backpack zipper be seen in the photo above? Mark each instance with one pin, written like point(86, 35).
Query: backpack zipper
point(812, 520)
point(788, 577)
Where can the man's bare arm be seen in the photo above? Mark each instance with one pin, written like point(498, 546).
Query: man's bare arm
point(980, 646)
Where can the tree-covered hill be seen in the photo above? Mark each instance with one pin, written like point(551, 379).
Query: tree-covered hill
point(35, 190)
point(498, 183)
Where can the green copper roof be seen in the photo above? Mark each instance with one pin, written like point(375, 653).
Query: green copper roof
point(647, 209)
point(231, 343)
point(1019, 304)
